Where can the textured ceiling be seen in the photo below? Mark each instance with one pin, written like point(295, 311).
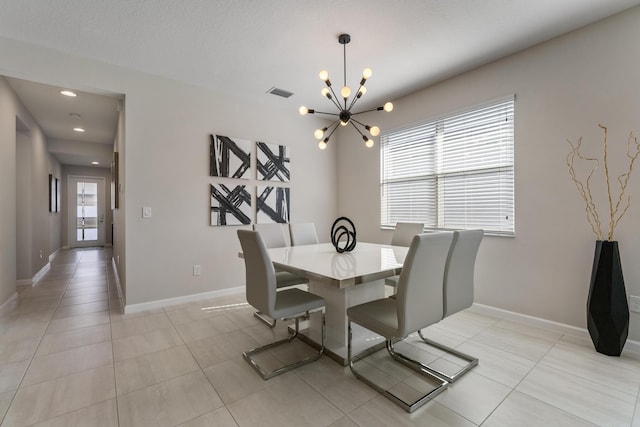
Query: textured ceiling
point(248, 46)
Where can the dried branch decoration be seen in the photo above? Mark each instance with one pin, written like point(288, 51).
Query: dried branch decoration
point(584, 188)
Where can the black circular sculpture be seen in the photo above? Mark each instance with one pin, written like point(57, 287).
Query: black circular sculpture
point(343, 235)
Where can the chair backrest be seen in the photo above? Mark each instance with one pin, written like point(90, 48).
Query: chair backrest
point(260, 273)
point(303, 234)
point(272, 235)
point(459, 269)
point(404, 232)
point(419, 296)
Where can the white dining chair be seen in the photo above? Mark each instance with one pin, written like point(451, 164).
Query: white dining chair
point(263, 294)
point(303, 234)
point(402, 236)
point(458, 291)
point(417, 304)
point(273, 237)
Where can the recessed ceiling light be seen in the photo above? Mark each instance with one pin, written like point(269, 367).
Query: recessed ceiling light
point(75, 115)
point(95, 163)
point(78, 129)
point(68, 93)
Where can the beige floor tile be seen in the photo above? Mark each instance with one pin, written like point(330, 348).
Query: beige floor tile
point(77, 322)
point(30, 305)
point(87, 284)
point(532, 348)
point(21, 328)
point(213, 350)
point(56, 365)
point(138, 325)
point(529, 330)
point(192, 313)
point(5, 401)
point(500, 366)
point(235, 379)
point(242, 315)
point(623, 375)
point(150, 369)
point(586, 399)
point(521, 410)
point(54, 343)
point(73, 310)
point(44, 289)
point(83, 299)
point(13, 351)
point(150, 342)
point(219, 418)
point(338, 385)
point(290, 399)
point(11, 374)
point(169, 403)
point(86, 290)
point(344, 422)
point(102, 414)
point(383, 412)
point(204, 328)
point(52, 398)
point(473, 396)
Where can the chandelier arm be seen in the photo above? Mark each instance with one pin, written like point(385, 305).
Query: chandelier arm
point(324, 112)
point(333, 99)
point(335, 126)
point(358, 122)
point(355, 98)
point(367, 111)
point(356, 128)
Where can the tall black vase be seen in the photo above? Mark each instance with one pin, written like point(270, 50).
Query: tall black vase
point(607, 308)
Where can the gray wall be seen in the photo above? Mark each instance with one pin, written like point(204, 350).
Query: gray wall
point(564, 88)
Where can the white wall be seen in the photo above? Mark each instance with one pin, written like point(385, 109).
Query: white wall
point(23, 205)
point(164, 164)
point(564, 88)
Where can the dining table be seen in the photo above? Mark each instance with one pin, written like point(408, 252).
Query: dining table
point(343, 280)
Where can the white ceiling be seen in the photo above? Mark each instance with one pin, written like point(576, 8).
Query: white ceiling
point(248, 46)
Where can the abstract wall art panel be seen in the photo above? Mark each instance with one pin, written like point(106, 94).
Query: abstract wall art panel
point(273, 162)
point(272, 205)
point(230, 205)
point(229, 157)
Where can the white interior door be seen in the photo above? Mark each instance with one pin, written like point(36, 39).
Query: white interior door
point(86, 211)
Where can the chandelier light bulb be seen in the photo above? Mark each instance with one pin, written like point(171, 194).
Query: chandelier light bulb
point(374, 130)
point(367, 72)
point(362, 91)
point(369, 143)
point(388, 107)
point(345, 92)
point(326, 92)
point(322, 145)
point(324, 75)
point(303, 110)
point(319, 133)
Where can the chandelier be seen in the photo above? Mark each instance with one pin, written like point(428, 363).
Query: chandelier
point(345, 115)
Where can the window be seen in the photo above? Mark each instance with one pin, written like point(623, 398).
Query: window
point(455, 172)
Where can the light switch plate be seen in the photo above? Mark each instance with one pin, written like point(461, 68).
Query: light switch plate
point(146, 212)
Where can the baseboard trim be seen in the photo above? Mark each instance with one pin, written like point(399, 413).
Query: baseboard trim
point(24, 282)
point(631, 348)
point(8, 302)
point(116, 277)
point(54, 254)
point(40, 273)
point(135, 308)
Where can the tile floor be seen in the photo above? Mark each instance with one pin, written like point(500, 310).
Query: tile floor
point(69, 357)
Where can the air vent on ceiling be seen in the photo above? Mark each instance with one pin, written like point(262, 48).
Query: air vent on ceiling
point(280, 92)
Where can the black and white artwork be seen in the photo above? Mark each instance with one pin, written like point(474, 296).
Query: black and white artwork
point(230, 157)
point(273, 162)
point(230, 205)
point(272, 205)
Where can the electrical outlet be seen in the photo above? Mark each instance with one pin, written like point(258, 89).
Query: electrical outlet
point(40, 253)
point(634, 304)
point(196, 270)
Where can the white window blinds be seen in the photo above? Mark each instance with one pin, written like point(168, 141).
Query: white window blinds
point(455, 172)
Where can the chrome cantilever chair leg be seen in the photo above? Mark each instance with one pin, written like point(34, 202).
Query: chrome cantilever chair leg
point(265, 319)
point(471, 361)
point(292, 335)
point(440, 383)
